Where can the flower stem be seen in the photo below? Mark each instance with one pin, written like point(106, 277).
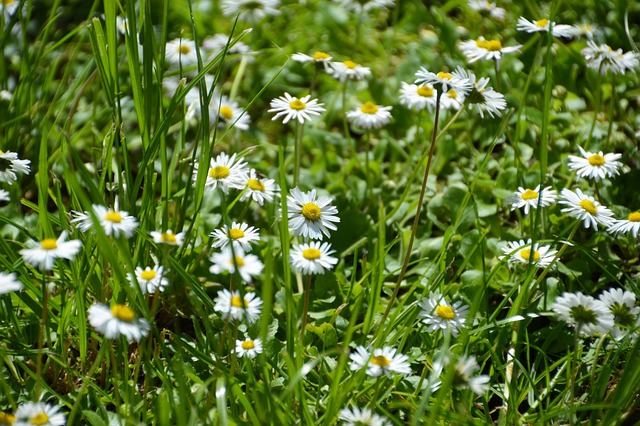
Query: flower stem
point(307, 290)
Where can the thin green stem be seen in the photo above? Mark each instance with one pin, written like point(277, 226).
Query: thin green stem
point(305, 310)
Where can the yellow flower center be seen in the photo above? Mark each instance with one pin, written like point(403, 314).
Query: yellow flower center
point(168, 237)
point(444, 75)
point(425, 91)
point(237, 302)
point(184, 49)
point(542, 23)
point(350, 64)
point(588, 206)
point(529, 195)
point(255, 185)
point(526, 255)
point(248, 344)
point(49, 244)
point(238, 261)
point(311, 254)
point(596, 160)
point(39, 419)
point(319, 56)
point(297, 104)
point(148, 274)
point(369, 108)
point(6, 418)
point(634, 217)
point(380, 361)
point(494, 46)
point(445, 312)
point(123, 313)
point(226, 112)
point(219, 172)
point(114, 217)
point(311, 211)
point(235, 233)
point(452, 94)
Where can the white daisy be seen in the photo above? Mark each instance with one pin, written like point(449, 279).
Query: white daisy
point(149, 279)
point(248, 264)
point(480, 97)
point(542, 25)
point(232, 306)
point(248, 348)
point(595, 166)
point(250, 10)
point(122, 24)
point(418, 97)
point(437, 313)
point(8, 8)
point(312, 258)
point(476, 50)
point(240, 234)
point(631, 224)
point(10, 165)
point(216, 44)
point(348, 70)
point(586, 314)
point(4, 195)
point(532, 198)
point(224, 172)
point(317, 58)
point(360, 6)
point(114, 222)
point(7, 419)
point(229, 113)
point(622, 305)
point(519, 252)
point(586, 208)
point(451, 100)
point(382, 361)
point(38, 413)
point(260, 189)
point(44, 255)
point(293, 108)
point(605, 59)
point(464, 377)
point(370, 116)
point(9, 282)
point(586, 30)
point(116, 321)
point(354, 416)
point(487, 8)
point(181, 51)
point(444, 81)
point(167, 237)
point(6, 95)
point(310, 216)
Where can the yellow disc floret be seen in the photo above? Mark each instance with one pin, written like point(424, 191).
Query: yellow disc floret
point(596, 160)
point(445, 312)
point(311, 212)
point(369, 108)
point(148, 274)
point(114, 217)
point(588, 206)
point(297, 105)
point(255, 185)
point(123, 313)
point(235, 233)
point(219, 172)
point(49, 244)
point(529, 195)
point(311, 254)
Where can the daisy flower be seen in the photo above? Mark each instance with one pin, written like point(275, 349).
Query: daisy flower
point(248, 348)
point(595, 166)
point(487, 8)
point(348, 70)
point(293, 108)
point(370, 116)
point(260, 189)
point(585, 29)
point(44, 255)
point(149, 279)
point(586, 314)
point(631, 224)
point(604, 58)
point(224, 172)
point(240, 234)
point(4, 195)
point(114, 222)
point(248, 265)
point(38, 413)
point(181, 51)
point(524, 253)
point(586, 208)
point(229, 113)
point(354, 416)
point(451, 100)
point(116, 321)
point(233, 306)
point(8, 8)
point(250, 10)
point(437, 313)
point(312, 258)
point(542, 25)
point(9, 282)
point(310, 216)
point(7, 419)
point(622, 305)
point(360, 6)
point(464, 377)
point(443, 81)
point(380, 361)
point(532, 198)
point(317, 58)
point(10, 165)
point(476, 50)
point(480, 97)
point(167, 237)
point(216, 44)
point(418, 97)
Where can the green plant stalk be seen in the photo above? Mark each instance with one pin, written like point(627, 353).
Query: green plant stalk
point(305, 310)
point(298, 130)
point(43, 330)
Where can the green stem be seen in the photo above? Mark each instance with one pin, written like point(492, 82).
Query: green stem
point(305, 310)
point(43, 330)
